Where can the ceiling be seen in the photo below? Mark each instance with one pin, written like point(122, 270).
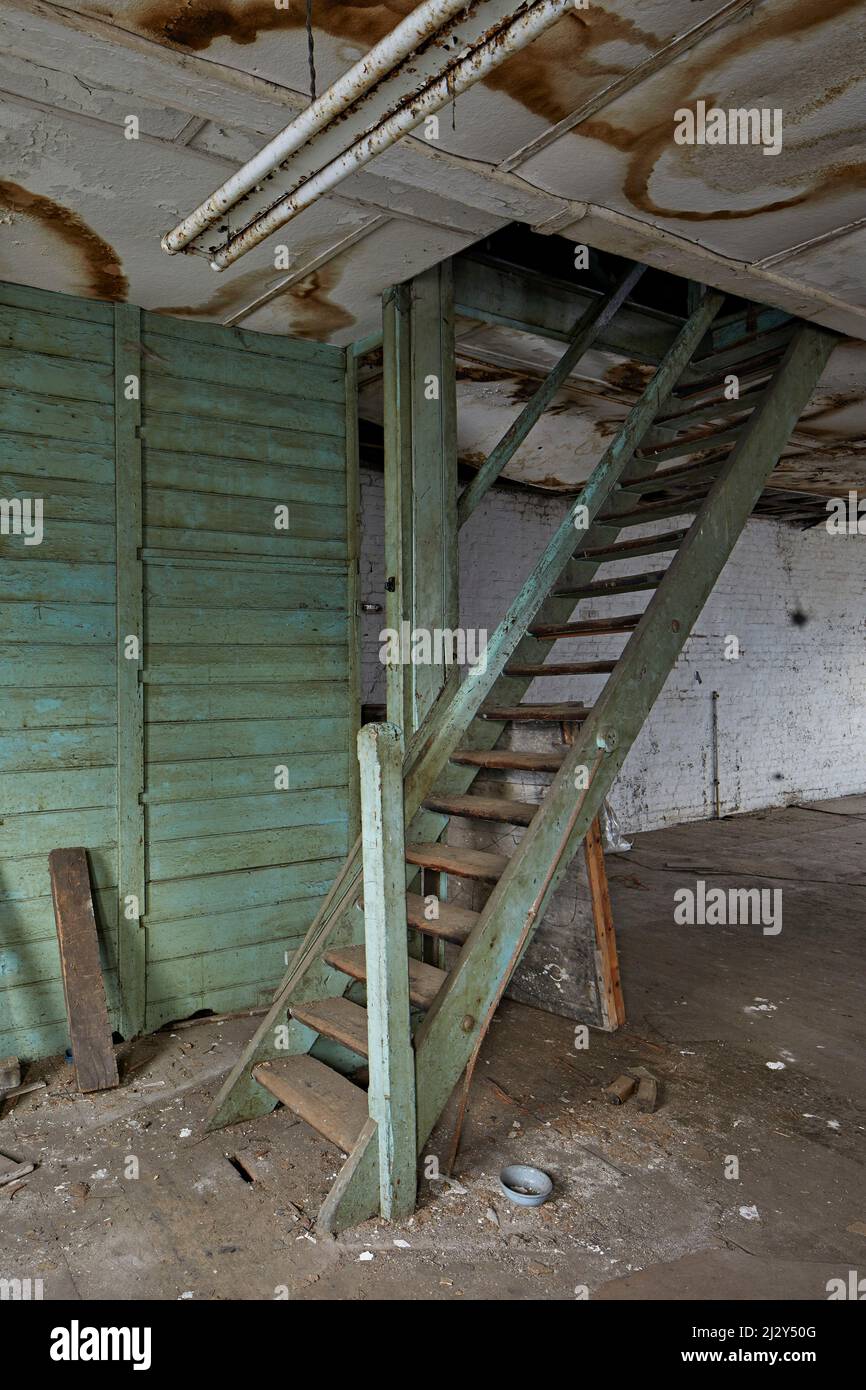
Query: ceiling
point(573, 136)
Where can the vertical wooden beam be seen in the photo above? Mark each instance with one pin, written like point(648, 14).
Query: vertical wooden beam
point(391, 1059)
point(353, 531)
point(397, 367)
point(420, 479)
point(131, 881)
point(607, 959)
point(434, 472)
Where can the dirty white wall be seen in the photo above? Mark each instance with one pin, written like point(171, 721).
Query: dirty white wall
point(792, 712)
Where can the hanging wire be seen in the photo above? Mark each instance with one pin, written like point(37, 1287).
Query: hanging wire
point(311, 50)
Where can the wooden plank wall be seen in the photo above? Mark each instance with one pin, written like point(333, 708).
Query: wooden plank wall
point(58, 737)
point(244, 664)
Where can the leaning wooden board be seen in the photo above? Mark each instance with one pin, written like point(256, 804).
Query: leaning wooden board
point(86, 1008)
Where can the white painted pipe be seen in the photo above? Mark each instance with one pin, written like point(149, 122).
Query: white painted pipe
point(423, 23)
point(509, 38)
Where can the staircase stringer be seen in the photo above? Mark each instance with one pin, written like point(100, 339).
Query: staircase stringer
point(456, 707)
point(448, 1034)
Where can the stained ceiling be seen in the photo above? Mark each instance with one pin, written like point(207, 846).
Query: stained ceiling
point(573, 136)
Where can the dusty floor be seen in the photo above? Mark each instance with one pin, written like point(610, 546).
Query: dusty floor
point(642, 1206)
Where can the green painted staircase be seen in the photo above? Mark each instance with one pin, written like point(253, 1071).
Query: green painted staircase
point(422, 1024)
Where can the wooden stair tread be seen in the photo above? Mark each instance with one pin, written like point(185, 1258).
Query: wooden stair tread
point(654, 511)
point(451, 859)
point(425, 981)
point(649, 545)
point(561, 668)
point(680, 474)
point(626, 584)
point(510, 758)
point(589, 627)
point(325, 1099)
point(565, 711)
point(452, 924)
point(336, 1018)
point(498, 808)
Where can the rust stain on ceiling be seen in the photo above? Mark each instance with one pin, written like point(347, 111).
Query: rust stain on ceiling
point(629, 376)
point(549, 77)
point(309, 310)
point(313, 313)
point(95, 268)
point(196, 23)
point(689, 79)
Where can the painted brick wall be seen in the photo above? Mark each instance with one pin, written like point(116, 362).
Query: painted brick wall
point(792, 717)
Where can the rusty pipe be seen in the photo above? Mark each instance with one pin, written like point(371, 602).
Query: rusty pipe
point(415, 29)
point(508, 38)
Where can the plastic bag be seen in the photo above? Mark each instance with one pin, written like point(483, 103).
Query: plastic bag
point(612, 837)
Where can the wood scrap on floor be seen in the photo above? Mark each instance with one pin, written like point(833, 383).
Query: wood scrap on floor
point(647, 1094)
point(13, 1168)
point(22, 1090)
point(618, 1092)
point(86, 1008)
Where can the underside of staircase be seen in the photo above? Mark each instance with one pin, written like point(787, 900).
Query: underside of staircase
point(385, 1005)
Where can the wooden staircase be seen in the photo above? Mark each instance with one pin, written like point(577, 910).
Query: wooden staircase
point(422, 1023)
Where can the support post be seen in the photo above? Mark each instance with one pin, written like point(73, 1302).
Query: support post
point(421, 561)
point(131, 879)
point(391, 1058)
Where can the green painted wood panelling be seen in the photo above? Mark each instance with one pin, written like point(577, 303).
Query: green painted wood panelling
point(159, 515)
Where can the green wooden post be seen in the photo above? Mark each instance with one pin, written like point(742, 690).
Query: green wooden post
point(131, 870)
point(353, 532)
point(392, 1061)
point(421, 561)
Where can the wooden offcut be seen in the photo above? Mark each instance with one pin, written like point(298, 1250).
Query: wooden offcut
point(86, 1008)
point(618, 1092)
point(647, 1094)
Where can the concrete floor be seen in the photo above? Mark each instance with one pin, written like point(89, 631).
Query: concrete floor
point(758, 1042)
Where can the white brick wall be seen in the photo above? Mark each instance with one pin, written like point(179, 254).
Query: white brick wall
point(792, 712)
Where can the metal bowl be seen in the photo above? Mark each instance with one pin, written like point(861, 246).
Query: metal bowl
point(525, 1186)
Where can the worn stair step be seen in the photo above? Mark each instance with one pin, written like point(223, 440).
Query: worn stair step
point(510, 759)
point(628, 584)
point(425, 981)
point(625, 550)
point(564, 712)
point(497, 808)
point(314, 1092)
point(767, 350)
point(739, 358)
point(452, 859)
point(453, 923)
point(681, 473)
point(336, 1018)
point(689, 444)
point(562, 668)
point(656, 511)
point(707, 411)
point(590, 627)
